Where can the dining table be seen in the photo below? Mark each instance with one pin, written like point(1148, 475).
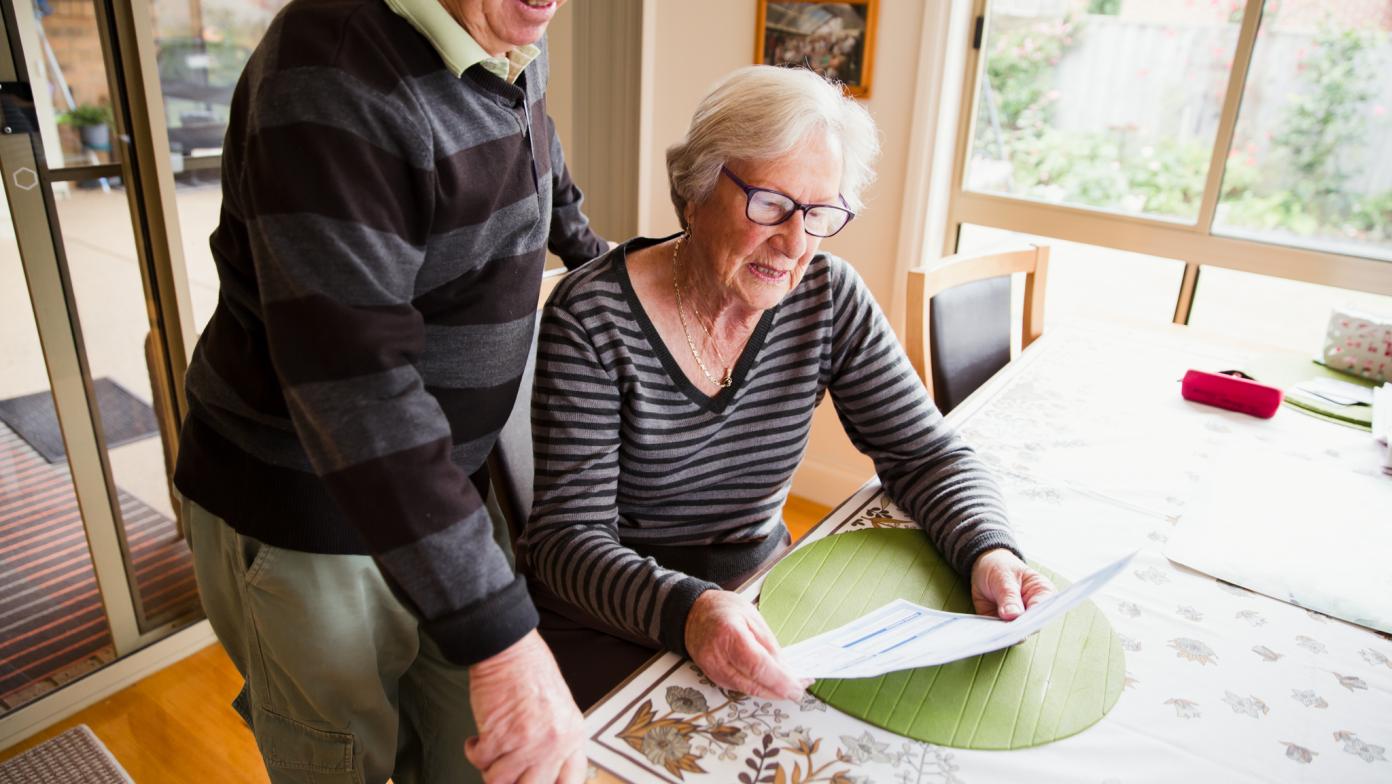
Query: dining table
point(1097, 455)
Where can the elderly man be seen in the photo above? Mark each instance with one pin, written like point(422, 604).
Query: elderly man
point(391, 183)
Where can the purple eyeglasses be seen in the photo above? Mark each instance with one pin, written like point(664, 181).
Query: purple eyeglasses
point(770, 208)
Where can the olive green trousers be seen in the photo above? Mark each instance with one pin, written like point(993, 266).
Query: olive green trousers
point(342, 685)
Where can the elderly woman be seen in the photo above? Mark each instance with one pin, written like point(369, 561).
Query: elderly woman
point(675, 385)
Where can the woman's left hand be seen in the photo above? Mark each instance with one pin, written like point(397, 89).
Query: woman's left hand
point(1003, 585)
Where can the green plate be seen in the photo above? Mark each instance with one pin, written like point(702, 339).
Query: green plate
point(1055, 684)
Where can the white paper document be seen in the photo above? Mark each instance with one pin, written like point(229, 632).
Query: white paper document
point(902, 635)
point(1309, 532)
point(1340, 393)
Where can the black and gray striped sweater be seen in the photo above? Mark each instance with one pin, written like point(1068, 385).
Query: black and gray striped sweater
point(646, 488)
point(383, 231)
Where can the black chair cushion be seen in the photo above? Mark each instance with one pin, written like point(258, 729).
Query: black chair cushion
point(969, 338)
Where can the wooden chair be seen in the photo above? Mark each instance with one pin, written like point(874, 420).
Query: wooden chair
point(510, 465)
point(959, 317)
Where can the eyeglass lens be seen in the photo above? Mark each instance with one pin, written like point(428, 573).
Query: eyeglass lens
point(769, 208)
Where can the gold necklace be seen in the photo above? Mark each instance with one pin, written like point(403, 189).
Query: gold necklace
point(726, 380)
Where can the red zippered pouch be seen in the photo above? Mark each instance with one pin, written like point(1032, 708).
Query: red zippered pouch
point(1230, 391)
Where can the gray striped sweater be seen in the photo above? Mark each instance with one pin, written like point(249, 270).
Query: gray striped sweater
point(645, 486)
point(383, 231)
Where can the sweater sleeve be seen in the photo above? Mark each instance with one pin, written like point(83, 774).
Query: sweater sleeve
point(571, 236)
point(336, 189)
point(927, 468)
point(572, 541)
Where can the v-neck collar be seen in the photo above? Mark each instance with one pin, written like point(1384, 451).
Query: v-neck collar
point(718, 402)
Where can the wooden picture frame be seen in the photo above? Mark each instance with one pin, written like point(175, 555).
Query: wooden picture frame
point(835, 39)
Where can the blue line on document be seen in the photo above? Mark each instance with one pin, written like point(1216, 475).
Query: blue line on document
point(911, 616)
point(897, 644)
point(937, 625)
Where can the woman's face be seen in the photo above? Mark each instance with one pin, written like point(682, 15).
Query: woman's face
point(753, 265)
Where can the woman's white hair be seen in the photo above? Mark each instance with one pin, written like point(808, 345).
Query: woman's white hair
point(761, 112)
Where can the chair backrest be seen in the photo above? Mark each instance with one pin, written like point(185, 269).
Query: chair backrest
point(510, 466)
point(958, 330)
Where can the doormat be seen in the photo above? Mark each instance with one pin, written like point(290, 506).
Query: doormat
point(125, 418)
point(75, 757)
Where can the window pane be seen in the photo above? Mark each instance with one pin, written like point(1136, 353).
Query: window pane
point(202, 48)
point(1111, 104)
point(66, 55)
point(1088, 282)
point(104, 272)
point(1273, 311)
point(1311, 160)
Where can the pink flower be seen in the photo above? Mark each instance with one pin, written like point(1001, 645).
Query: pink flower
point(1379, 110)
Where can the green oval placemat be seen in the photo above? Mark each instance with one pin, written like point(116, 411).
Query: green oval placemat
point(1055, 684)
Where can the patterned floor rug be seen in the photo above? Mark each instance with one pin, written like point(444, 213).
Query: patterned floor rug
point(74, 757)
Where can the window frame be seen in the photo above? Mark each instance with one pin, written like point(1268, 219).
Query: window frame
point(1194, 242)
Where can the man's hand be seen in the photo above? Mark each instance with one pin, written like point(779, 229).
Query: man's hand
point(729, 641)
point(1003, 585)
point(529, 728)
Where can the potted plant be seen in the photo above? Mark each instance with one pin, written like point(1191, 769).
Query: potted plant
point(93, 124)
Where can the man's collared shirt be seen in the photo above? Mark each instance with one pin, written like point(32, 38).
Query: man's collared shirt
point(457, 48)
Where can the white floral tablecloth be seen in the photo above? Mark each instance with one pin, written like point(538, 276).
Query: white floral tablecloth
point(1098, 455)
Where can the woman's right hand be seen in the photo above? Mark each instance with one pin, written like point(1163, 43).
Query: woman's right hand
point(729, 641)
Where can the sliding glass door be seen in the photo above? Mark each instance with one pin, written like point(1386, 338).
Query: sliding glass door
point(113, 120)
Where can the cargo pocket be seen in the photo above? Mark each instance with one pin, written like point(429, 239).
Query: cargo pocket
point(296, 753)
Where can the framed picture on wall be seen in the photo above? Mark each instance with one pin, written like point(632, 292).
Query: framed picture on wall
point(837, 40)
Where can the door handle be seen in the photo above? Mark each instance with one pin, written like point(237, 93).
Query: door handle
point(17, 103)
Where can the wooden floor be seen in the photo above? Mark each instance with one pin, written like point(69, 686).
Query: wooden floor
point(177, 725)
point(801, 514)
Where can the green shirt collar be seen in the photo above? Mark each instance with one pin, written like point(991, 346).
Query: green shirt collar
point(457, 48)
